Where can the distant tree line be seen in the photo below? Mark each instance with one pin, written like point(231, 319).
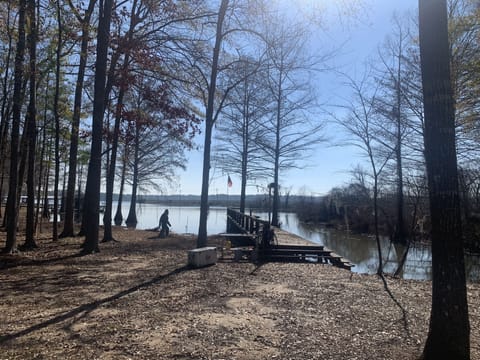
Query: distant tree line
point(350, 208)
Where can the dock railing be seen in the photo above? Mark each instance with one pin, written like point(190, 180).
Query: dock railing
point(239, 223)
point(249, 235)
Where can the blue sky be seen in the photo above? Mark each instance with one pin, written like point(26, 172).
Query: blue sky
point(331, 165)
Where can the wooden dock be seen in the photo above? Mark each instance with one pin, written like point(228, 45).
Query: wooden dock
point(250, 238)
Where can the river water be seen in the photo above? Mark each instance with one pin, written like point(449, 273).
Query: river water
point(184, 219)
point(359, 249)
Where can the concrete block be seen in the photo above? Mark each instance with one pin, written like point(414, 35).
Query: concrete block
point(202, 256)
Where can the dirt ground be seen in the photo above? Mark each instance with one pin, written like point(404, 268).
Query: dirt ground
point(137, 299)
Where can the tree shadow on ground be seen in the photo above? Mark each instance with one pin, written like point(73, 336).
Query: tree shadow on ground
point(13, 261)
point(258, 266)
point(87, 308)
point(402, 309)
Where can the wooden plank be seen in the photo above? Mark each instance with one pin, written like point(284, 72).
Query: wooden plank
point(240, 239)
point(295, 254)
point(240, 252)
point(299, 247)
point(235, 235)
point(292, 258)
point(292, 248)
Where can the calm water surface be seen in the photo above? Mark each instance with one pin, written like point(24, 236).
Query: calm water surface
point(184, 219)
point(360, 249)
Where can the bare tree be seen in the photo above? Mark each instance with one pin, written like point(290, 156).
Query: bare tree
point(293, 125)
point(391, 105)
point(241, 129)
point(209, 70)
point(209, 121)
point(365, 131)
point(464, 31)
point(449, 333)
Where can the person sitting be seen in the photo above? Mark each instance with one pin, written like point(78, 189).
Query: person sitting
point(164, 224)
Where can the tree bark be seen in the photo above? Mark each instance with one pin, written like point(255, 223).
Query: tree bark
point(42, 162)
point(4, 121)
point(400, 233)
point(243, 189)
point(31, 127)
point(68, 228)
point(209, 121)
point(107, 217)
point(92, 192)
point(57, 125)
point(276, 170)
point(131, 220)
point(118, 215)
point(449, 333)
point(12, 202)
point(245, 143)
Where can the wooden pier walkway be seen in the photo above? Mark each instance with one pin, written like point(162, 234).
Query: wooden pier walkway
point(250, 238)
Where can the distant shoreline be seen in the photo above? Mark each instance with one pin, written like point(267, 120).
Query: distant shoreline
point(260, 201)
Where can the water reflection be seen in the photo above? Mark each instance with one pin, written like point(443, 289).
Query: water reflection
point(362, 250)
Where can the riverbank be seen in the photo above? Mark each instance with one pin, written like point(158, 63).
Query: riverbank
point(136, 299)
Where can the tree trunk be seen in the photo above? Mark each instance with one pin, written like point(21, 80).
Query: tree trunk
point(57, 126)
point(449, 333)
point(68, 228)
point(23, 151)
point(11, 210)
point(118, 215)
point(209, 121)
point(42, 154)
point(246, 137)
point(92, 192)
point(400, 234)
point(107, 217)
point(31, 128)
point(244, 184)
point(375, 214)
point(276, 163)
point(276, 170)
point(79, 200)
point(46, 208)
point(132, 214)
point(4, 120)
